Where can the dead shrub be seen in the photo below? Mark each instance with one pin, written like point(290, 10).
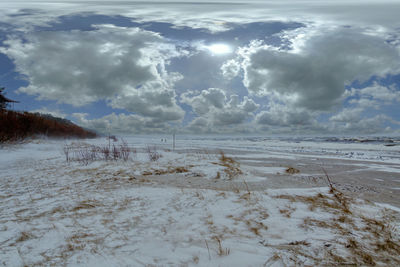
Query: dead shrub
point(85, 153)
point(105, 151)
point(153, 153)
point(124, 150)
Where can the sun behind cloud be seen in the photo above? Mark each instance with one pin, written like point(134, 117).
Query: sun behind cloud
point(219, 49)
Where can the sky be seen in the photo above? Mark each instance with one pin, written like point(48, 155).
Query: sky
point(206, 67)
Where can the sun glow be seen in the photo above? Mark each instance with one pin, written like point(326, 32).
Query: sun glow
point(219, 49)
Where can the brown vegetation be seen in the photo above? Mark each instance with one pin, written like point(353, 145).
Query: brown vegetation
point(232, 167)
point(368, 241)
point(169, 170)
point(292, 170)
point(16, 126)
point(86, 153)
point(221, 251)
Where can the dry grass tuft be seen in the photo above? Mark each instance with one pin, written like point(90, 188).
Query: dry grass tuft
point(337, 203)
point(195, 259)
point(24, 236)
point(221, 251)
point(373, 245)
point(253, 219)
point(169, 170)
point(361, 255)
point(287, 212)
point(87, 204)
point(292, 170)
point(302, 242)
point(232, 167)
point(362, 241)
point(339, 196)
point(245, 196)
point(199, 195)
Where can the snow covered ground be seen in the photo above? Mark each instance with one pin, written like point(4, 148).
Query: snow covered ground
point(195, 205)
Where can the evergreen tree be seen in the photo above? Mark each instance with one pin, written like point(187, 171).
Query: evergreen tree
point(4, 101)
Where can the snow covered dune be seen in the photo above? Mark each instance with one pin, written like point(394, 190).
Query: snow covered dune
point(191, 206)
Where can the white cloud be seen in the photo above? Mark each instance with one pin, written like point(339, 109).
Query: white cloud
point(347, 123)
point(348, 115)
point(364, 103)
point(203, 102)
point(157, 104)
point(280, 118)
point(125, 66)
point(313, 75)
point(214, 14)
point(122, 124)
point(371, 98)
point(230, 69)
point(378, 92)
point(200, 125)
point(217, 110)
point(353, 120)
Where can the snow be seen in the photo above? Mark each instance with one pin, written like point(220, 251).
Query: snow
point(112, 213)
point(376, 167)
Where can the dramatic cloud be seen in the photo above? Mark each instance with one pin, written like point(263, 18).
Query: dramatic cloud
point(292, 66)
point(125, 66)
point(280, 118)
point(217, 110)
point(202, 103)
point(306, 77)
point(123, 124)
point(157, 104)
point(372, 99)
point(314, 73)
